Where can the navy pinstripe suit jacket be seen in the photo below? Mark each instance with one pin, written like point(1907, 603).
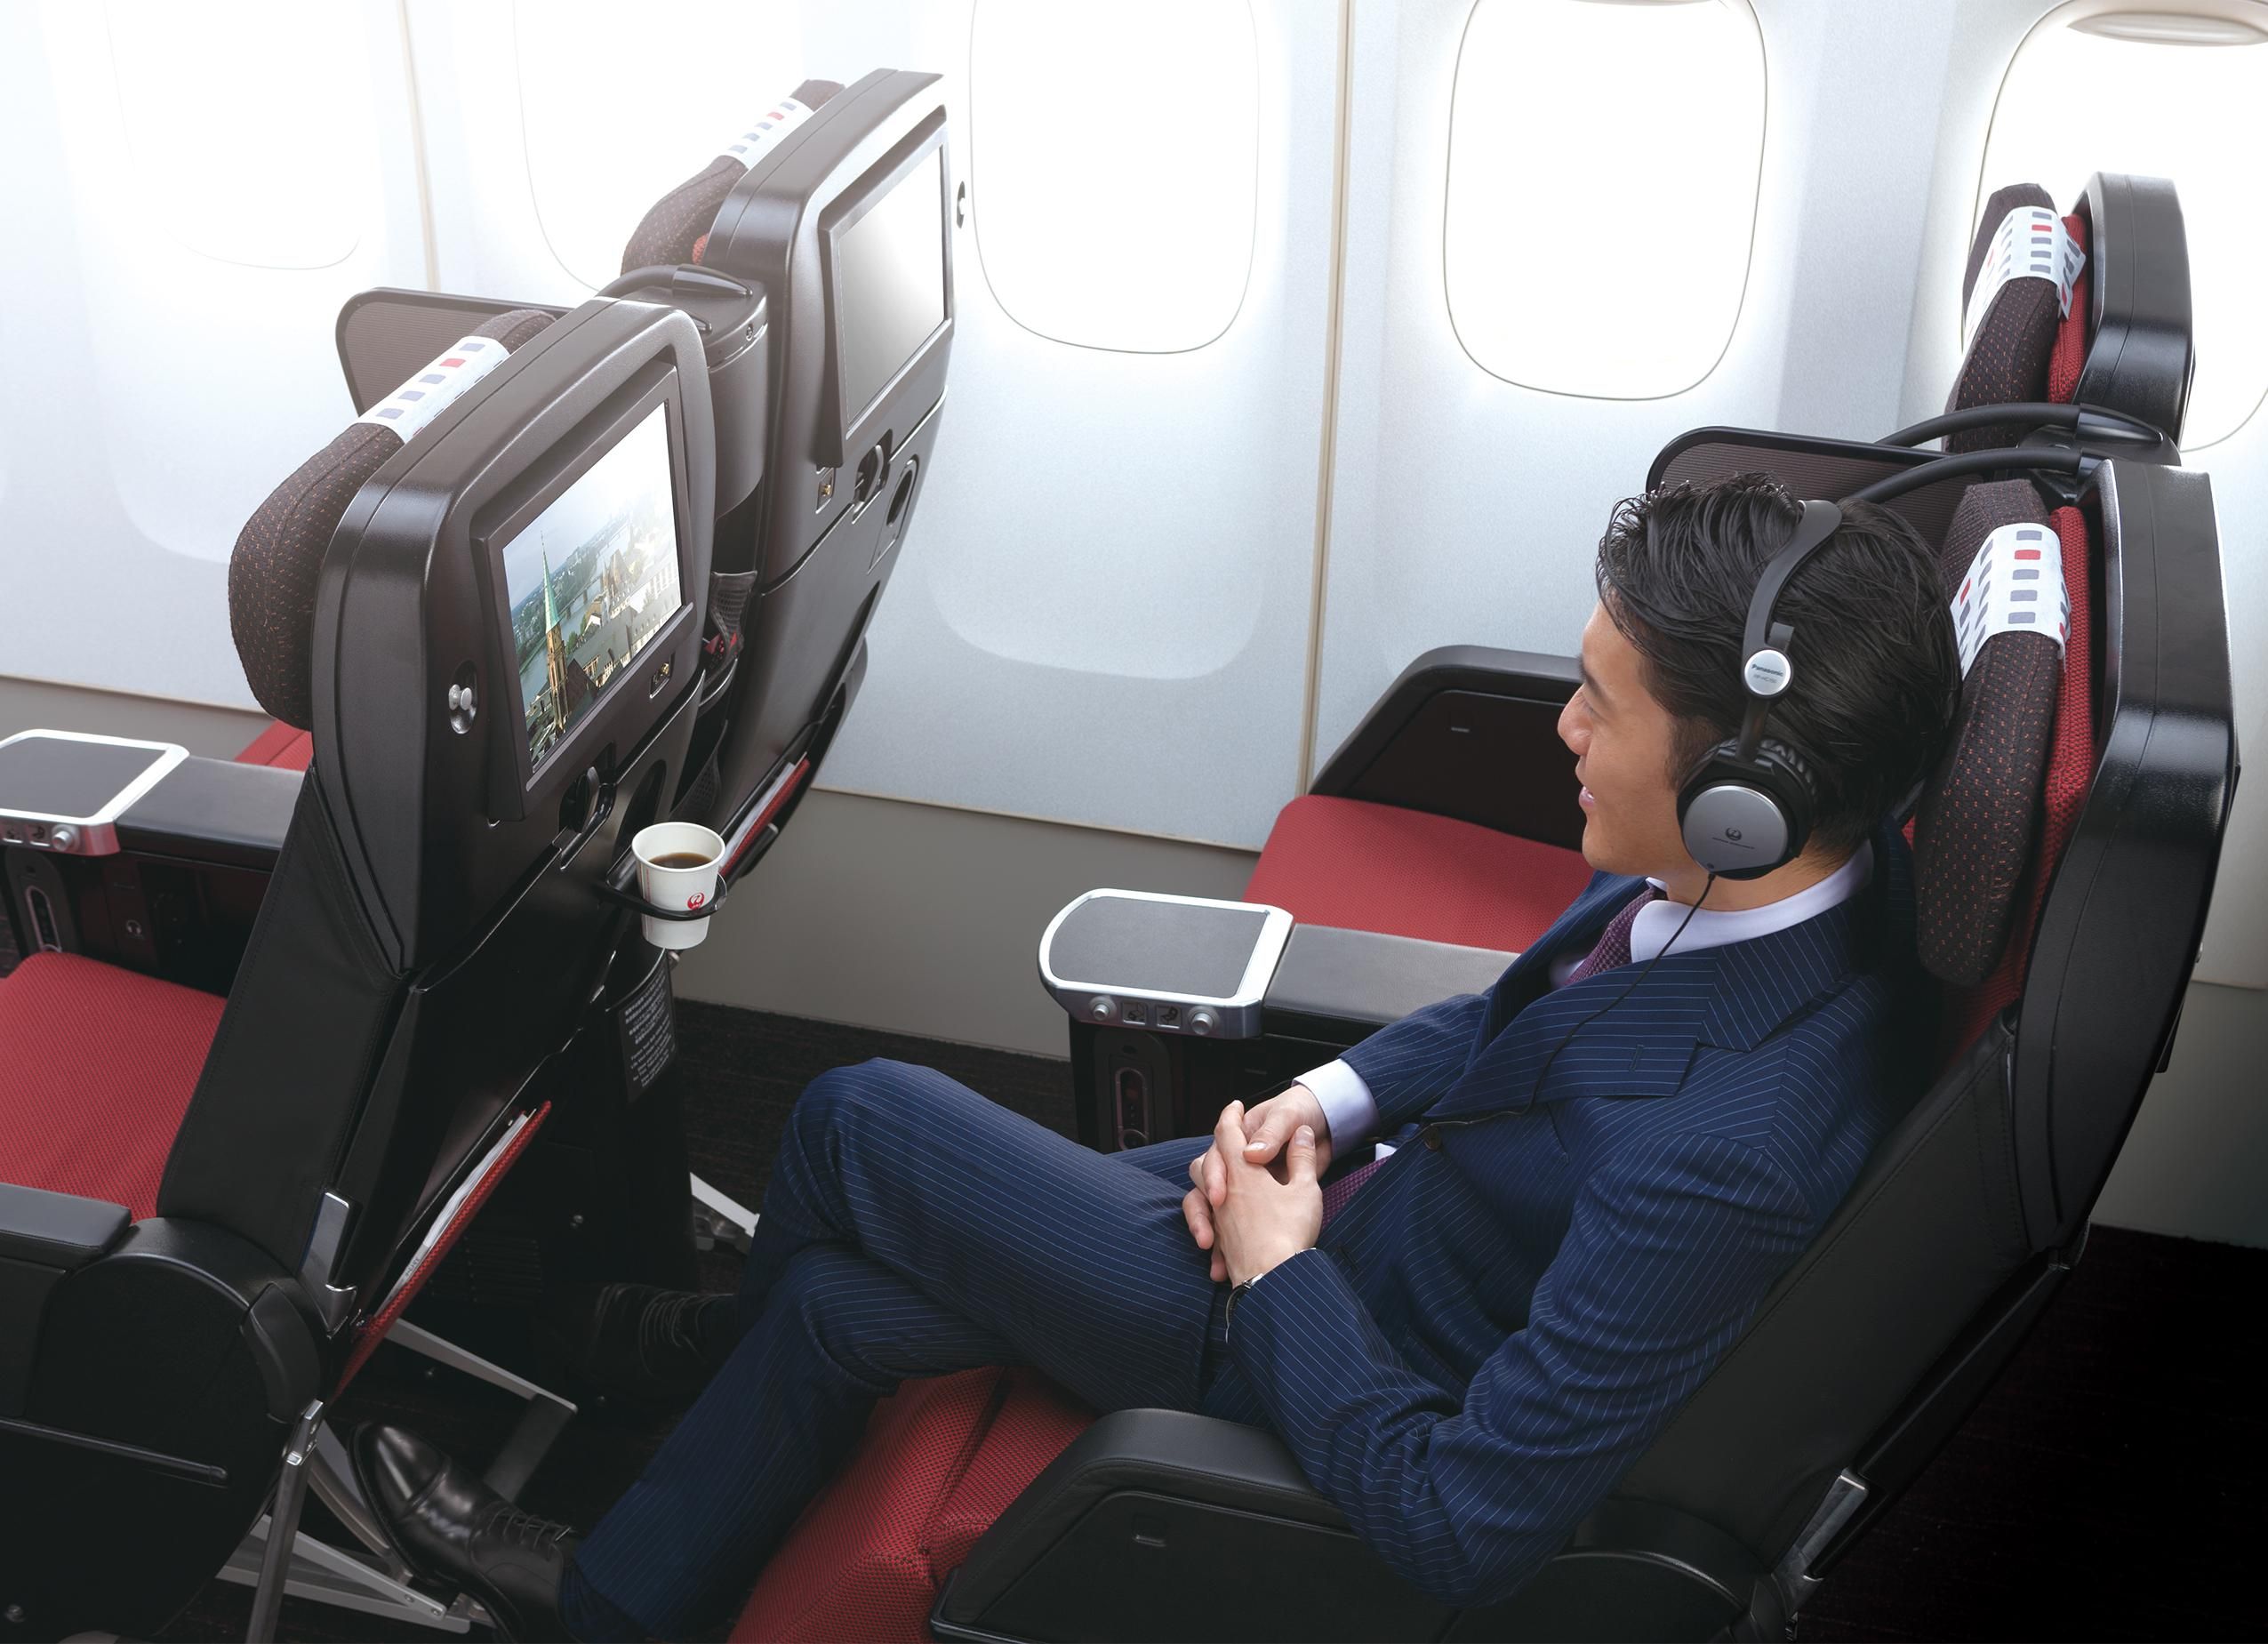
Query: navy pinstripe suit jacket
point(1510, 1307)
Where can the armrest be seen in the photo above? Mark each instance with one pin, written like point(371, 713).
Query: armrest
point(1339, 986)
point(56, 1230)
point(216, 812)
point(1469, 732)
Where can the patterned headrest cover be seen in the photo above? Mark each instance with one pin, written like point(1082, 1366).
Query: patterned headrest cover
point(2007, 357)
point(278, 557)
point(1977, 829)
point(676, 229)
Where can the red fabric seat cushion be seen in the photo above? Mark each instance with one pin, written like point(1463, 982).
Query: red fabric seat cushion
point(939, 1462)
point(100, 1066)
point(285, 746)
point(1371, 867)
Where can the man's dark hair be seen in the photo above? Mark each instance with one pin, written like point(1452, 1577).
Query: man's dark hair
point(1876, 674)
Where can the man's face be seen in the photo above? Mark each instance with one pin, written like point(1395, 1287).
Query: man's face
point(1622, 739)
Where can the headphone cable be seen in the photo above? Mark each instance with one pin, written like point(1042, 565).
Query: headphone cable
point(1625, 993)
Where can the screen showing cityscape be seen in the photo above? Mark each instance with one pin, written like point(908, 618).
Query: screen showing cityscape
point(591, 581)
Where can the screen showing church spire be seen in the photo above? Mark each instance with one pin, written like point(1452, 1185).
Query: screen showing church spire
point(592, 580)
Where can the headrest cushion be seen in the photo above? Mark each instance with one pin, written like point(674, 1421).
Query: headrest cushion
point(1979, 819)
point(671, 232)
point(2007, 360)
point(278, 557)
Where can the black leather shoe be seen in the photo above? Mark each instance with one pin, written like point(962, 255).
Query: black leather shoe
point(638, 1342)
point(454, 1529)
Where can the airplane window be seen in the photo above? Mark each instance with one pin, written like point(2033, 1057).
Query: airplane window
point(2162, 96)
point(1115, 160)
point(1604, 162)
point(263, 120)
point(615, 117)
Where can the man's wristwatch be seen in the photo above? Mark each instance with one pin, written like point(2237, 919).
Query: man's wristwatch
point(1228, 1311)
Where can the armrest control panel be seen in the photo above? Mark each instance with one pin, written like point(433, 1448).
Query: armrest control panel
point(1164, 964)
point(64, 790)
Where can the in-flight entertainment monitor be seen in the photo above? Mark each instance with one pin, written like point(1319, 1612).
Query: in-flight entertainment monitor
point(888, 264)
point(590, 581)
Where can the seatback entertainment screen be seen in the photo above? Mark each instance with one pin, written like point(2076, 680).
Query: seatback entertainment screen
point(889, 283)
point(590, 581)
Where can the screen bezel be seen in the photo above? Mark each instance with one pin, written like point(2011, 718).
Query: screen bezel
point(496, 528)
point(845, 212)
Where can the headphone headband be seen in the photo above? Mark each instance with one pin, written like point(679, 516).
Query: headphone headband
point(1747, 810)
point(1767, 669)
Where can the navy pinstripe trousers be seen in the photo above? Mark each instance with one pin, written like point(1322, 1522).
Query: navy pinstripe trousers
point(912, 1228)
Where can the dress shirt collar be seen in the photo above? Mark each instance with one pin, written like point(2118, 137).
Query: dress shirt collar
point(1658, 920)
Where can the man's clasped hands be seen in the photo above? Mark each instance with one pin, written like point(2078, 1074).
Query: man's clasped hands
point(1254, 1200)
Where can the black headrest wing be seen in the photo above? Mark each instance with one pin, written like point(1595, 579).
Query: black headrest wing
point(278, 557)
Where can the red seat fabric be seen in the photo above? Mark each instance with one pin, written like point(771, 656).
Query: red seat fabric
point(100, 1066)
point(939, 1462)
point(1371, 867)
point(285, 746)
point(2068, 358)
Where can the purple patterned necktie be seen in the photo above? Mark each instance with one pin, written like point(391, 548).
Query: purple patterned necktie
point(1336, 1194)
point(1614, 947)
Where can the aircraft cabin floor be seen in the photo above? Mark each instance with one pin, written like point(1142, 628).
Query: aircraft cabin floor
point(2107, 1488)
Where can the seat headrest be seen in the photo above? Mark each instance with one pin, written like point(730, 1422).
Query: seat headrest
point(2011, 302)
point(675, 229)
point(278, 557)
point(1976, 832)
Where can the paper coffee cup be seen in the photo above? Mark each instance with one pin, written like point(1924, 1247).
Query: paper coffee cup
point(677, 867)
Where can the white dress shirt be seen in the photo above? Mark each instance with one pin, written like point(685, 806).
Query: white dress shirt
point(1351, 1112)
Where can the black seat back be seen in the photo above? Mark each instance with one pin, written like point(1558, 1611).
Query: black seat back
point(1873, 1345)
point(844, 225)
point(432, 929)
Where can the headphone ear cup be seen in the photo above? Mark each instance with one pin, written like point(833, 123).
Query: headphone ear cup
point(1739, 818)
point(1791, 780)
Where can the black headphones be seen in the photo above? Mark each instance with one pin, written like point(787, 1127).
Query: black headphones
point(1749, 808)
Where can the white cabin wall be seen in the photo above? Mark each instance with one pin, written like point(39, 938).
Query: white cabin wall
point(548, 127)
point(1106, 619)
point(1465, 508)
point(163, 382)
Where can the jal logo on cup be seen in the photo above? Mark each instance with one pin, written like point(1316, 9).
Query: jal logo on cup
point(695, 900)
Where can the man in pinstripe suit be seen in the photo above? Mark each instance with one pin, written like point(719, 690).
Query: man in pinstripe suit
point(1582, 1183)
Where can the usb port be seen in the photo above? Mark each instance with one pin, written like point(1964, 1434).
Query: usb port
point(1169, 1015)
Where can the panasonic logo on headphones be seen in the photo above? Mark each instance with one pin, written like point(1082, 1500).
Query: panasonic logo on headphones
point(1767, 672)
